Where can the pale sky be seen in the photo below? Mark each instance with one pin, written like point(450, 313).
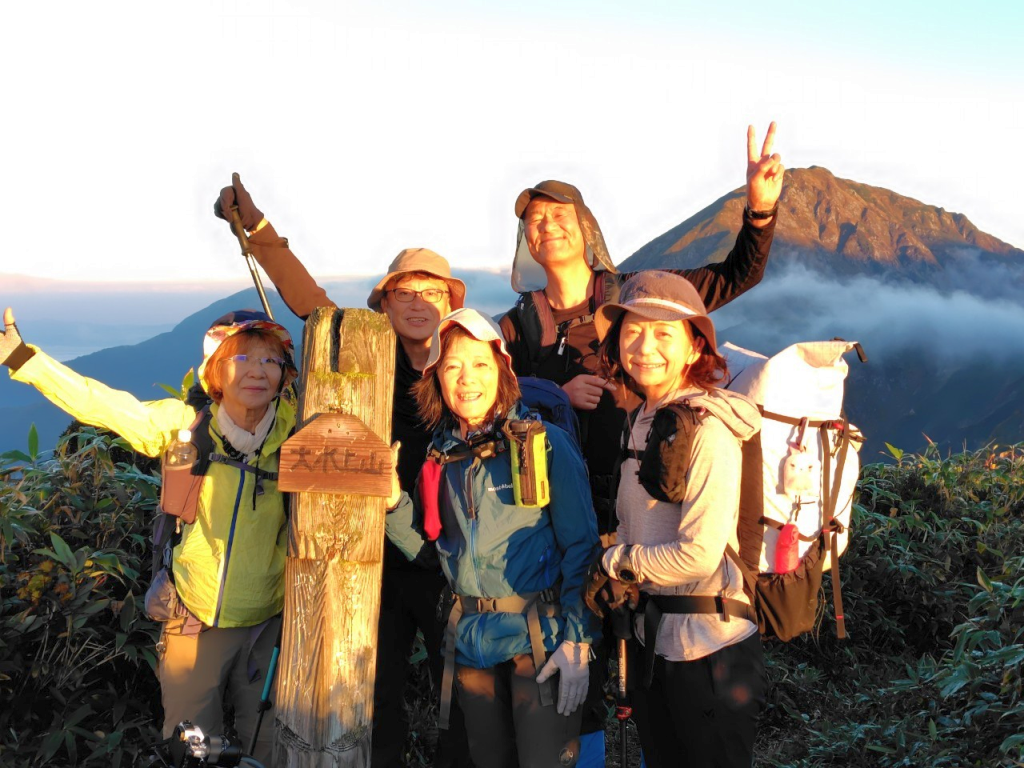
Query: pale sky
point(362, 128)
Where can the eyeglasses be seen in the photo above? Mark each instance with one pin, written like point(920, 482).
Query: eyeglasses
point(430, 295)
point(241, 361)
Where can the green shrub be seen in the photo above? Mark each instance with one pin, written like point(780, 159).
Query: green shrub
point(933, 586)
point(77, 685)
point(934, 598)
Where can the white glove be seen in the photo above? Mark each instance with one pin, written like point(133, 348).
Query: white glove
point(570, 661)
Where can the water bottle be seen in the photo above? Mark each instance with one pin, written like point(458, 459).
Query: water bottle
point(787, 549)
point(179, 489)
point(528, 449)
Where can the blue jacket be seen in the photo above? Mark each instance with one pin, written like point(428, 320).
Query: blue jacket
point(489, 547)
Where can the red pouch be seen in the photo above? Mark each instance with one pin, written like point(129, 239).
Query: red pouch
point(430, 486)
point(787, 549)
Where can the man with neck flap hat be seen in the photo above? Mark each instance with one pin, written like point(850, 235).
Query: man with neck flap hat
point(417, 291)
point(563, 272)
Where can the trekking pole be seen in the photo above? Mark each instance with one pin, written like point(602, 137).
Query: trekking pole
point(265, 702)
point(243, 240)
point(621, 630)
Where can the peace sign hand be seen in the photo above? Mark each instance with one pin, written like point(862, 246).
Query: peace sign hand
point(764, 171)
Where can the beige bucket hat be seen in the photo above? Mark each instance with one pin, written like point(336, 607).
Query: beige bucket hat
point(420, 260)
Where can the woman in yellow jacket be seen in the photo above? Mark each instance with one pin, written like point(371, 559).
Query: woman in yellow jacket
point(227, 591)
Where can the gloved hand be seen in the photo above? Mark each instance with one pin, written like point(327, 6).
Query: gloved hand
point(236, 194)
point(13, 351)
point(570, 660)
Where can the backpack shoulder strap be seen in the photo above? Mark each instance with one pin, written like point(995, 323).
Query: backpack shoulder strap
point(202, 439)
point(537, 331)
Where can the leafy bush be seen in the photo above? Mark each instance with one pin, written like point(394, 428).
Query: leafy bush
point(934, 598)
point(933, 586)
point(77, 682)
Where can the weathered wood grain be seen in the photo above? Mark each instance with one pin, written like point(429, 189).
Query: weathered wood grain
point(324, 696)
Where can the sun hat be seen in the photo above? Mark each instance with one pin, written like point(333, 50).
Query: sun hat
point(241, 320)
point(420, 260)
point(527, 274)
point(657, 295)
point(478, 325)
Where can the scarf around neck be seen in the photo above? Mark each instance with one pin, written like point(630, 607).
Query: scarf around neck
point(243, 441)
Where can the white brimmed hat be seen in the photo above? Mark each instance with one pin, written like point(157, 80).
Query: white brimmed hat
point(478, 325)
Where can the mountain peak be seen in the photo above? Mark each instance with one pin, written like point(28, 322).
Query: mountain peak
point(823, 218)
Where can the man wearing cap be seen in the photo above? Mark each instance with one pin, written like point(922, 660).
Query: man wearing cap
point(415, 294)
point(563, 273)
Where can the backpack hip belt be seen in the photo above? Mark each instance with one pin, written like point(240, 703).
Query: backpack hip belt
point(653, 607)
point(532, 604)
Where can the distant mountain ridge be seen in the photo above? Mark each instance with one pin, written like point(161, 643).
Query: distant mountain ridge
point(836, 224)
point(935, 301)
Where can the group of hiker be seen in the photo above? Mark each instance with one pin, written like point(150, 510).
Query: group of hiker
point(529, 534)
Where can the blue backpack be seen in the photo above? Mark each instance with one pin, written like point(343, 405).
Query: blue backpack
point(551, 403)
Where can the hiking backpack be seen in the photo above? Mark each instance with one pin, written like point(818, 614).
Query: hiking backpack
point(800, 469)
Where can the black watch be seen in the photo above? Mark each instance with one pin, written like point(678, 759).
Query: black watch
point(761, 215)
point(625, 573)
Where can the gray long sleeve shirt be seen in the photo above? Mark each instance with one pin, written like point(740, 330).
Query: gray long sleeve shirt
point(679, 549)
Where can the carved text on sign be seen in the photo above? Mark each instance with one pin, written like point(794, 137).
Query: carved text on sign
point(336, 453)
point(326, 460)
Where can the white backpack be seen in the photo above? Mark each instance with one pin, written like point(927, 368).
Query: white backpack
point(808, 470)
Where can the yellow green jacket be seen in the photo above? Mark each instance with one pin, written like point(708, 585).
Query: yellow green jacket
point(229, 565)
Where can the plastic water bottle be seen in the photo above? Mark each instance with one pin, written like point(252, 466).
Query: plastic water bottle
point(787, 549)
point(181, 452)
point(178, 481)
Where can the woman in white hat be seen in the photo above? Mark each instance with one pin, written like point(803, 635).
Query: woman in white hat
point(516, 569)
point(703, 682)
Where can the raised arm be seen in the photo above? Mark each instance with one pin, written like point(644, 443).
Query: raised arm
point(297, 287)
point(743, 268)
point(148, 427)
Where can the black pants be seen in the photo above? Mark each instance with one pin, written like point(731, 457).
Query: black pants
point(507, 725)
point(409, 601)
point(703, 713)
point(595, 711)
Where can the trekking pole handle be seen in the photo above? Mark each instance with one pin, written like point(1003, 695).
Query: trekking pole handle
point(250, 260)
point(239, 230)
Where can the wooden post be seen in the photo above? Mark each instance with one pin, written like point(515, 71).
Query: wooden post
point(324, 697)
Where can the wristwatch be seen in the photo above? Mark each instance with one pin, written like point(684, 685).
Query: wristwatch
point(625, 573)
point(760, 215)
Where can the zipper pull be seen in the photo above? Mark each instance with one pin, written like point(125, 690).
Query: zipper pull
point(177, 526)
point(561, 344)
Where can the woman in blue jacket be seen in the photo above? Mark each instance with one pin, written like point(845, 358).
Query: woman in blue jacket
point(515, 570)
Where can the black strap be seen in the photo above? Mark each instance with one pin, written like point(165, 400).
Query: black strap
point(261, 474)
point(483, 447)
point(655, 606)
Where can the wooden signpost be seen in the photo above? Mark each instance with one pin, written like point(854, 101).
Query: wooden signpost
point(339, 462)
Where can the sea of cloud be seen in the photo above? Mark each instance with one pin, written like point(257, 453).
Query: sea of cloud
point(795, 303)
